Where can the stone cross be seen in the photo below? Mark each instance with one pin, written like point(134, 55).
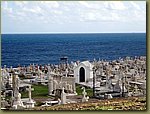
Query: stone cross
point(29, 90)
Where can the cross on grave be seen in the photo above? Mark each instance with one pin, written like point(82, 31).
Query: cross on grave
point(29, 90)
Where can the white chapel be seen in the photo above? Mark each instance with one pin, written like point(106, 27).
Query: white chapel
point(83, 71)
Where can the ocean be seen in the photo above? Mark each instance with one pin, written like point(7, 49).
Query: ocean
point(26, 49)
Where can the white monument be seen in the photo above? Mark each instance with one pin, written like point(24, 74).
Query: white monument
point(50, 85)
point(30, 103)
point(63, 96)
point(83, 72)
point(84, 98)
point(50, 81)
point(17, 103)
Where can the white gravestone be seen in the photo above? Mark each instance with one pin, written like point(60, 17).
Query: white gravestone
point(70, 88)
point(17, 103)
point(30, 103)
point(50, 85)
point(50, 81)
point(29, 90)
point(66, 72)
point(63, 96)
point(55, 84)
point(67, 86)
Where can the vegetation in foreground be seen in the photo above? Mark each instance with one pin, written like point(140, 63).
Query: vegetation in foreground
point(41, 91)
point(132, 103)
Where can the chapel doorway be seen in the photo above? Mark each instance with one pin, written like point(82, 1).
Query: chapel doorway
point(82, 74)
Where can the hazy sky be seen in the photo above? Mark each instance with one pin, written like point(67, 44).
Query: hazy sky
point(74, 16)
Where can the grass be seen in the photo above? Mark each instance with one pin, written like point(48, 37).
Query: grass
point(39, 91)
point(42, 91)
point(88, 90)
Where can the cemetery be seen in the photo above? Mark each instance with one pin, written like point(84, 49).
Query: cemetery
point(51, 86)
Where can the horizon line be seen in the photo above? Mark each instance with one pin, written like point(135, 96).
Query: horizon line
point(68, 32)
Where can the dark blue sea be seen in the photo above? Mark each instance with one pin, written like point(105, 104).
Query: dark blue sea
point(25, 49)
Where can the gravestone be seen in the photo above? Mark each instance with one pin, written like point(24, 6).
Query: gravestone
point(50, 81)
point(70, 81)
point(18, 104)
point(70, 88)
point(59, 101)
point(55, 84)
point(66, 72)
point(30, 103)
point(28, 69)
point(108, 96)
point(50, 85)
point(67, 87)
point(29, 90)
point(3, 102)
point(109, 84)
point(117, 87)
point(63, 96)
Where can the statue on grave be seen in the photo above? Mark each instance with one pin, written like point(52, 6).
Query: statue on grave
point(66, 72)
point(18, 104)
point(84, 98)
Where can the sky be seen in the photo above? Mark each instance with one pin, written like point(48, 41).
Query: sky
point(73, 16)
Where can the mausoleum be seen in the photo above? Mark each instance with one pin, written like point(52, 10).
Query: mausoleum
point(83, 71)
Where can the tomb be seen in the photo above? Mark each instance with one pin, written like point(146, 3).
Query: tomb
point(83, 72)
